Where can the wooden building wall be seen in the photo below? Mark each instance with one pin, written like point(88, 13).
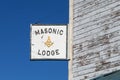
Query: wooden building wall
point(96, 38)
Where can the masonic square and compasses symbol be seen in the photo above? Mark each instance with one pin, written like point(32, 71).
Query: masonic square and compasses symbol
point(48, 43)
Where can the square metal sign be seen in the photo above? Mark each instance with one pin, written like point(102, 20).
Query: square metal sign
point(48, 42)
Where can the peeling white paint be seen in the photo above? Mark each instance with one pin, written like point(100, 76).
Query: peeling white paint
point(96, 38)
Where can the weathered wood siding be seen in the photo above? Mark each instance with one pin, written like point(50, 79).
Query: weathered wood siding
point(96, 38)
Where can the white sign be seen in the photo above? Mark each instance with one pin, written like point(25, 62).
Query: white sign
point(48, 42)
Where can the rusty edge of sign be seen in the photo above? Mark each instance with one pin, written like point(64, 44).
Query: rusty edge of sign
point(38, 24)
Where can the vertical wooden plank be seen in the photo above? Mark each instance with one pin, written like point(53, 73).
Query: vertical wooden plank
point(70, 32)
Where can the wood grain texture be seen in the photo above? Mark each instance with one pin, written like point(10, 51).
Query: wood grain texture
point(96, 38)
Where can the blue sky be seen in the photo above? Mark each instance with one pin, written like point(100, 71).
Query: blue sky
point(15, 19)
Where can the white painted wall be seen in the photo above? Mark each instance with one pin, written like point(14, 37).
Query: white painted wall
point(96, 38)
